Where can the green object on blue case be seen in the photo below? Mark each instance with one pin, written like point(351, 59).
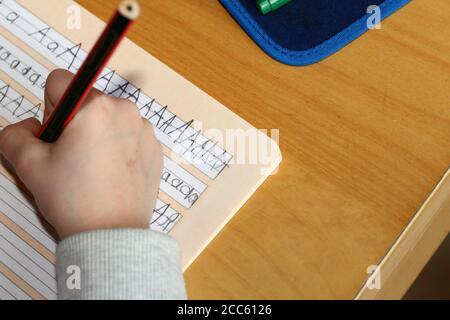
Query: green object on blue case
point(266, 6)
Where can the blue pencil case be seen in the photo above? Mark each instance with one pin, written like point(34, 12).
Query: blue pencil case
point(307, 31)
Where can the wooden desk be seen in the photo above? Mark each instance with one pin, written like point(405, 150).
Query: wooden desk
point(365, 137)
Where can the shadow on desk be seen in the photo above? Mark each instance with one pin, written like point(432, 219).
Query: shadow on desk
point(434, 281)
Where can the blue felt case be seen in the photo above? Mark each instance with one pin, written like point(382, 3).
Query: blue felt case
point(306, 31)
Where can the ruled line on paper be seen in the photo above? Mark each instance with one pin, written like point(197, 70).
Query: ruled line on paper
point(10, 239)
point(10, 260)
point(12, 205)
point(12, 289)
point(5, 294)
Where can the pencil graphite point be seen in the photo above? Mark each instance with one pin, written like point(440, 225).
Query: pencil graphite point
point(130, 9)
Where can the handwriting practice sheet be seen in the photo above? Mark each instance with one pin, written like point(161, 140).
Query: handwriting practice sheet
point(202, 186)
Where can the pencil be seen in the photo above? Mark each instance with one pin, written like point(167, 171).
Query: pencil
point(72, 99)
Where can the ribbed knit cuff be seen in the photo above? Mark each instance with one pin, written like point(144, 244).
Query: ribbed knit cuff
point(119, 264)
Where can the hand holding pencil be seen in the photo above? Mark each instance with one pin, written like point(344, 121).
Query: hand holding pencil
point(77, 91)
point(102, 173)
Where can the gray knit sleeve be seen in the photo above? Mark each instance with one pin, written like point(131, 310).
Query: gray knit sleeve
point(119, 264)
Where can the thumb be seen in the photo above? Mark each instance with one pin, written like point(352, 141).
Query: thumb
point(57, 83)
point(21, 148)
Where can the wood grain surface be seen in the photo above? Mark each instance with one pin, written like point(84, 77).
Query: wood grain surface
point(365, 137)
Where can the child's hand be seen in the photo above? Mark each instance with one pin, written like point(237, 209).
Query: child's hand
point(103, 172)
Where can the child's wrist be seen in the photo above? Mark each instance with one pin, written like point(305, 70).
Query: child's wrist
point(69, 231)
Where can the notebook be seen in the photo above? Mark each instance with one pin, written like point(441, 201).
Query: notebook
point(214, 160)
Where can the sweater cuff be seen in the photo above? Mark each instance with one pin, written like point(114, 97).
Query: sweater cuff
point(119, 264)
